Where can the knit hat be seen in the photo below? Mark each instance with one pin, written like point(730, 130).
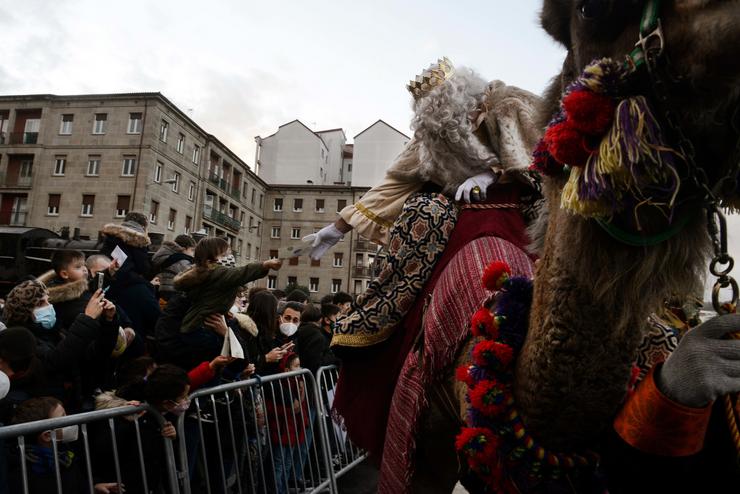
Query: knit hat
point(17, 348)
point(22, 300)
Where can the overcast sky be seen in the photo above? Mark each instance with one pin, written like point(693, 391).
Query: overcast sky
point(242, 68)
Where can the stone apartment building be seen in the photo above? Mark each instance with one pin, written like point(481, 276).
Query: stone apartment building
point(86, 160)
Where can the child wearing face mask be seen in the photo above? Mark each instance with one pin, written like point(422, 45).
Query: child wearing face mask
point(39, 455)
point(214, 281)
point(166, 389)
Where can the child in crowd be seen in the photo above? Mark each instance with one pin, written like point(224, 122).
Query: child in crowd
point(39, 455)
point(172, 259)
point(212, 284)
point(288, 419)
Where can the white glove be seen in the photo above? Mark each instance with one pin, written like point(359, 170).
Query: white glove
point(705, 366)
point(482, 181)
point(323, 240)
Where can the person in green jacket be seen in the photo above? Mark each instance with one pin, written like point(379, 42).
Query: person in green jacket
point(214, 280)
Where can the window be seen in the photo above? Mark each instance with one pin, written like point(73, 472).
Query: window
point(295, 233)
point(272, 282)
point(336, 285)
point(256, 252)
point(245, 190)
point(191, 191)
point(319, 205)
point(180, 146)
point(101, 119)
point(341, 204)
point(88, 203)
point(60, 162)
point(359, 260)
point(26, 171)
point(275, 232)
point(188, 223)
point(249, 249)
point(66, 125)
point(315, 263)
point(134, 123)
point(196, 154)
point(297, 205)
point(278, 205)
point(254, 195)
point(261, 200)
point(164, 127)
point(53, 208)
point(129, 166)
point(259, 228)
point(349, 167)
point(176, 185)
point(293, 261)
point(338, 259)
point(153, 211)
point(158, 172)
point(273, 254)
point(358, 286)
point(93, 165)
point(292, 280)
point(171, 219)
point(122, 206)
point(313, 285)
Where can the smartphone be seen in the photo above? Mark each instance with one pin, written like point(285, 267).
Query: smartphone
point(101, 277)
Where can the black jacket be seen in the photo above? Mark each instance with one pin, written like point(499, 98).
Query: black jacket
point(312, 347)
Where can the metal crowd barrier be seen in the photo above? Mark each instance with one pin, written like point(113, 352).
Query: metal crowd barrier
point(264, 435)
point(19, 432)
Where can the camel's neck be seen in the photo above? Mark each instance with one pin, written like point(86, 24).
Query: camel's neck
point(591, 300)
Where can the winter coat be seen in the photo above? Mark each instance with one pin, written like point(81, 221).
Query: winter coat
point(134, 244)
point(312, 347)
point(212, 290)
point(286, 423)
point(41, 472)
point(169, 261)
point(136, 297)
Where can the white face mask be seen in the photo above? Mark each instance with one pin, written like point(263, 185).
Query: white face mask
point(69, 433)
point(288, 328)
point(4, 385)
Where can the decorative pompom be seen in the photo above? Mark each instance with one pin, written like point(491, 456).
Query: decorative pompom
point(489, 397)
point(483, 324)
point(495, 275)
point(567, 145)
point(477, 443)
point(543, 162)
point(588, 112)
point(493, 354)
point(463, 374)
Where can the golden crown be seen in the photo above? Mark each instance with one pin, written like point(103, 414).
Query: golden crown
point(434, 76)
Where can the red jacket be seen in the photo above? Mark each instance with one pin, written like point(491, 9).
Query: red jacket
point(287, 427)
point(200, 376)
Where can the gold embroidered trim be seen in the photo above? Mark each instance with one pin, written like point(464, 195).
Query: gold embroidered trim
point(372, 216)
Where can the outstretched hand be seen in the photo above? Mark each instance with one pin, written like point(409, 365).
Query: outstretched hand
point(323, 240)
point(705, 364)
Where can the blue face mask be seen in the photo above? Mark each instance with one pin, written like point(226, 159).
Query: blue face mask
point(45, 316)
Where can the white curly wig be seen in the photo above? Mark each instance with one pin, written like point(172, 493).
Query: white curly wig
point(449, 150)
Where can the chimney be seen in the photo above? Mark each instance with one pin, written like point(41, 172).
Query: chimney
point(76, 234)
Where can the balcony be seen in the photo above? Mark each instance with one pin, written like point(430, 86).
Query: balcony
point(222, 219)
point(16, 182)
point(13, 218)
point(361, 272)
point(20, 138)
point(235, 193)
point(364, 245)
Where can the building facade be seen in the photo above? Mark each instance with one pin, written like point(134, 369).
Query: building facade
point(82, 161)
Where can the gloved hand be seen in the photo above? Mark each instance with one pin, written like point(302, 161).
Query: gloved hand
point(323, 240)
point(704, 366)
point(482, 181)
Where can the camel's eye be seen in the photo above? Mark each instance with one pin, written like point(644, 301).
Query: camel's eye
point(593, 9)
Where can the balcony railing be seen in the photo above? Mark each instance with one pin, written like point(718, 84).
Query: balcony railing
point(222, 219)
point(362, 272)
point(364, 245)
point(23, 138)
point(235, 193)
point(13, 218)
point(15, 181)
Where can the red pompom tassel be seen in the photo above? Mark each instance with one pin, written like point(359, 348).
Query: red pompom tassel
point(567, 145)
point(462, 374)
point(477, 443)
point(495, 275)
point(483, 324)
point(543, 162)
point(489, 398)
point(492, 354)
point(588, 112)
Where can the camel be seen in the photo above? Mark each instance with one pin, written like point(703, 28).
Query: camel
point(592, 294)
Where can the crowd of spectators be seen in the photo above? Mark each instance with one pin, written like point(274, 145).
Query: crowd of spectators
point(96, 333)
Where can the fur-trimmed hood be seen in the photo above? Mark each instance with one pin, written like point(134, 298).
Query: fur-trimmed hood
point(247, 324)
point(127, 234)
point(59, 291)
point(167, 249)
point(108, 400)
